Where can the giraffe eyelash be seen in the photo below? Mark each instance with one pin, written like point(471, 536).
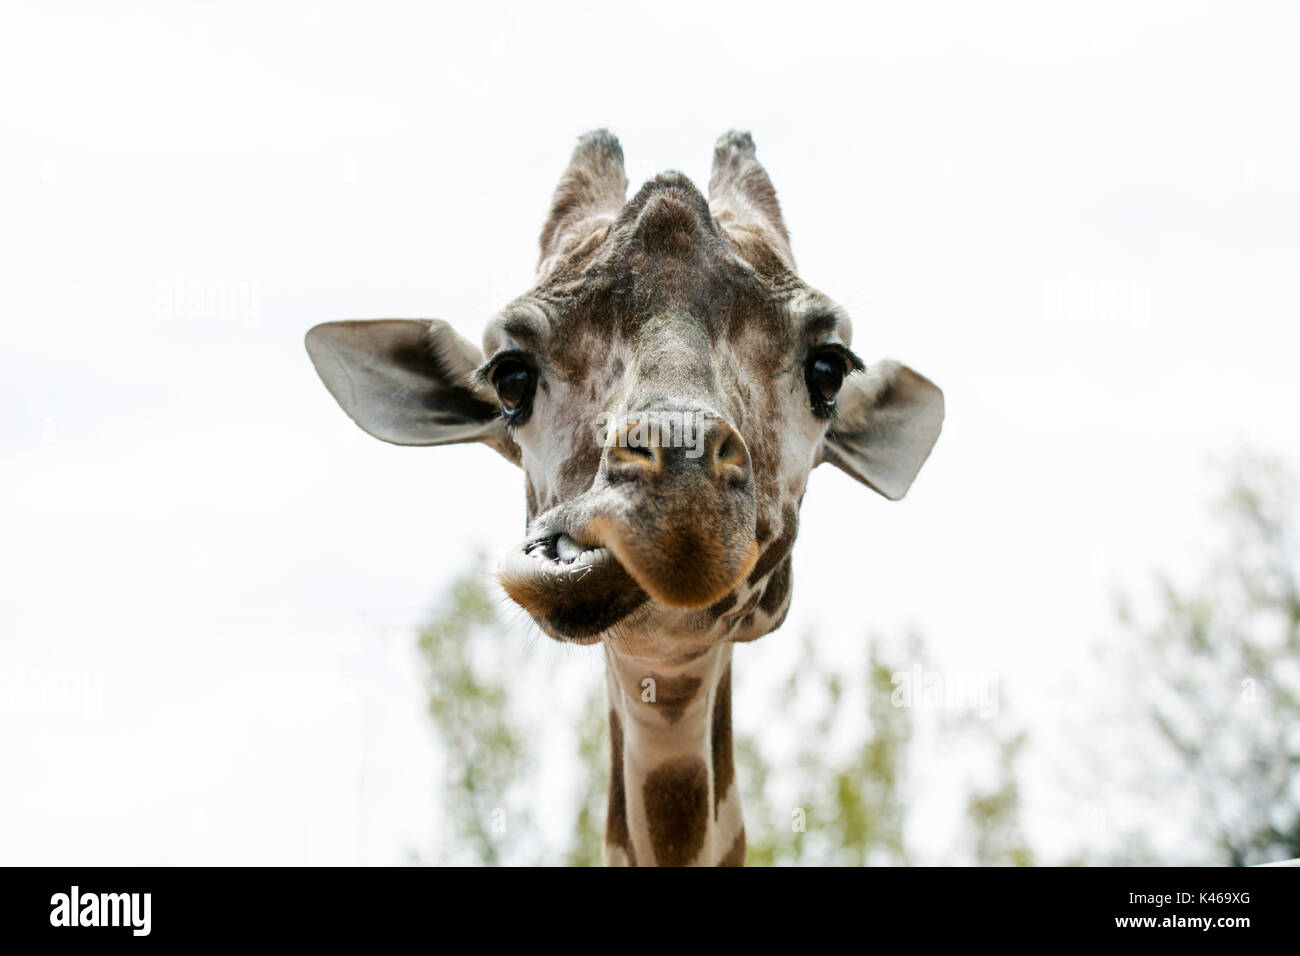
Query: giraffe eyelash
point(824, 381)
point(483, 374)
point(515, 387)
point(851, 359)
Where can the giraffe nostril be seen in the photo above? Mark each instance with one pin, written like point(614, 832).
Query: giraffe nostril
point(638, 448)
point(638, 455)
point(678, 442)
point(635, 448)
point(728, 449)
point(729, 459)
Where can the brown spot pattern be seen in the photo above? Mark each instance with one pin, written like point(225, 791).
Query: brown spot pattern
point(750, 603)
point(777, 621)
point(672, 694)
point(778, 549)
point(736, 855)
point(530, 499)
point(721, 607)
point(677, 810)
point(724, 770)
point(778, 588)
point(616, 832)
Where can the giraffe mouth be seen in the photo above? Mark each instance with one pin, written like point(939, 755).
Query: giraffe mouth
point(563, 549)
point(589, 563)
point(574, 592)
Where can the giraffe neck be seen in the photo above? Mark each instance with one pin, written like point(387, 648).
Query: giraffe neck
point(672, 794)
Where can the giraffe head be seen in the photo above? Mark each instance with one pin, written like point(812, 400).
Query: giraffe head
point(667, 386)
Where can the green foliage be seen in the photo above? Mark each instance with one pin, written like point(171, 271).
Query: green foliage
point(854, 777)
point(1217, 674)
point(993, 814)
point(1213, 678)
point(485, 750)
point(849, 808)
point(840, 799)
point(593, 785)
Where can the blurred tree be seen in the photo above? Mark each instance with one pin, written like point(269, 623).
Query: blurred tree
point(1213, 676)
point(1217, 674)
point(849, 807)
point(593, 783)
point(484, 747)
point(843, 801)
point(993, 814)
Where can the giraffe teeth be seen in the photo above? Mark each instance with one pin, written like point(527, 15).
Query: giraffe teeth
point(567, 550)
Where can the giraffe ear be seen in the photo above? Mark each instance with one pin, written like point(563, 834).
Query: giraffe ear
point(886, 421)
point(408, 382)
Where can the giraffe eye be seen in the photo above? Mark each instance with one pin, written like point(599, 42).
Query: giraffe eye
point(825, 375)
point(514, 382)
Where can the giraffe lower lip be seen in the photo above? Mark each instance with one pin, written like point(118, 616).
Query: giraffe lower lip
point(573, 592)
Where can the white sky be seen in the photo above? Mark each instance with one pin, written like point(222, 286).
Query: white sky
point(1082, 225)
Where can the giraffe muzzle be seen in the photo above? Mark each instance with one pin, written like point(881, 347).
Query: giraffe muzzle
point(682, 518)
point(670, 518)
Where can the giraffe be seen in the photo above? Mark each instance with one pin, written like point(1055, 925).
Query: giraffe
point(666, 386)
